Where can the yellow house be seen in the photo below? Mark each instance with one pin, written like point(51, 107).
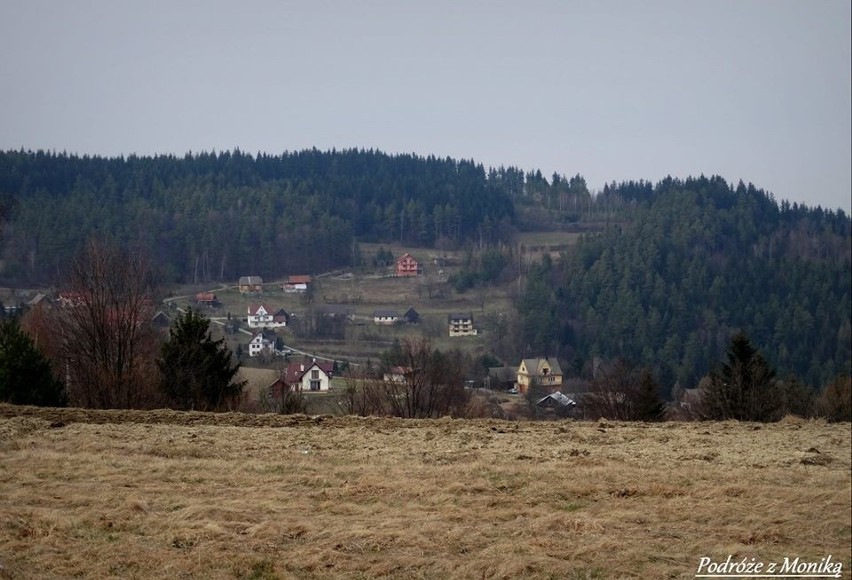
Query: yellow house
point(541, 371)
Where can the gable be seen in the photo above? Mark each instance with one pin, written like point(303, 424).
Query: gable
point(297, 371)
point(537, 367)
point(257, 310)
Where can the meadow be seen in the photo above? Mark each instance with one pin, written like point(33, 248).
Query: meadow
point(363, 293)
point(133, 494)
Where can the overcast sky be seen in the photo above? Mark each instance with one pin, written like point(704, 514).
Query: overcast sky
point(613, 90)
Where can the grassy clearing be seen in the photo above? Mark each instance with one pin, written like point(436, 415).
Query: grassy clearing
point(364, 293)
point(165, 494)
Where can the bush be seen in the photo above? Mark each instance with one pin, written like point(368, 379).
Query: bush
point(835, 401)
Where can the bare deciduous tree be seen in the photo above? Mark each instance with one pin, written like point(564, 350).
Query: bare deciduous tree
point(425, 383)
point(835, 400)
point(365, 394)
point(107, 341)
point(624, 392)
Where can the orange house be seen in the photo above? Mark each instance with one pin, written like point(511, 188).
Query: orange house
point(407, 266)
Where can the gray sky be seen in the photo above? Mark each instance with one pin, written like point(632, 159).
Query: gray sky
point(613, 90)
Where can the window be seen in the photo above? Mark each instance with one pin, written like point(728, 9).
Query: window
point(315, 385)
point(314, 374)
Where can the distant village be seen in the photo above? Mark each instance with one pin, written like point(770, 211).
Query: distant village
point(308, 373)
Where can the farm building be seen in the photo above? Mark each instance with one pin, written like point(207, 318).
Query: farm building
point(250, 285)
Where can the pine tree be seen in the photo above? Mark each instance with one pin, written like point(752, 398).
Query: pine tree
point(25, 374)
point(196, 372)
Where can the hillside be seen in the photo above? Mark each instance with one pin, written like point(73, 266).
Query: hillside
point(658, 274)
point(690, 263)
point(116, 494)
point(217, 216)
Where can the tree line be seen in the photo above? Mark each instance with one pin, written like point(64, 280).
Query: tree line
point(216, 216)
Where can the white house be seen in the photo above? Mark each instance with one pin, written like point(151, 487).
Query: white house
point(259, 342)
point(397, 375)
point(385, 317)
point(297, 284)
point(309, 376)
point(259, 316)
point(461, 325)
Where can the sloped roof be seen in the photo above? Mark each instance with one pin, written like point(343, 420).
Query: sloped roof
point(411, 314)
point(299, 279)
point(266, 334)
point(458, 316)
point(250, 280)
point(385, 314)
point(334, 309)
point(37, 299)
point(404, 256)
point(295, 371)
point(253, 308)
point(557, 398)
point(205, 296)
point(534, 366)
point(162, 318)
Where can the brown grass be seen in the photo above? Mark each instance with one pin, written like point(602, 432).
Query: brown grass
point(117, 494)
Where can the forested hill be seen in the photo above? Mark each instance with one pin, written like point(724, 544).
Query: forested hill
point(219, 216)
point(698, 261)
point(680, 266)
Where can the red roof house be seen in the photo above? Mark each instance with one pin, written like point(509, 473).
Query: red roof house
point(407, 266)
point(309, 376)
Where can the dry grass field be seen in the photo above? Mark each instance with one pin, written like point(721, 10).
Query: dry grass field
point(117, 494)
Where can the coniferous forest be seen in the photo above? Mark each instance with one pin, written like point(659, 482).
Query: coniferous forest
point(216, 216)
point(668, 274)
point(697, 261)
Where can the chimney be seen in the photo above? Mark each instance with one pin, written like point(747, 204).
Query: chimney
point(301, 368)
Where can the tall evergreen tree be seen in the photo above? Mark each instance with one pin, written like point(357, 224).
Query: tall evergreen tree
point(744, 388)
point(647, 400)
point(25, 374)
point(196, 372)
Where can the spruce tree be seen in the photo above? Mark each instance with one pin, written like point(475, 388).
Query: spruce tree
point(197, 372)
point(649, 405)
point(744, 388)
